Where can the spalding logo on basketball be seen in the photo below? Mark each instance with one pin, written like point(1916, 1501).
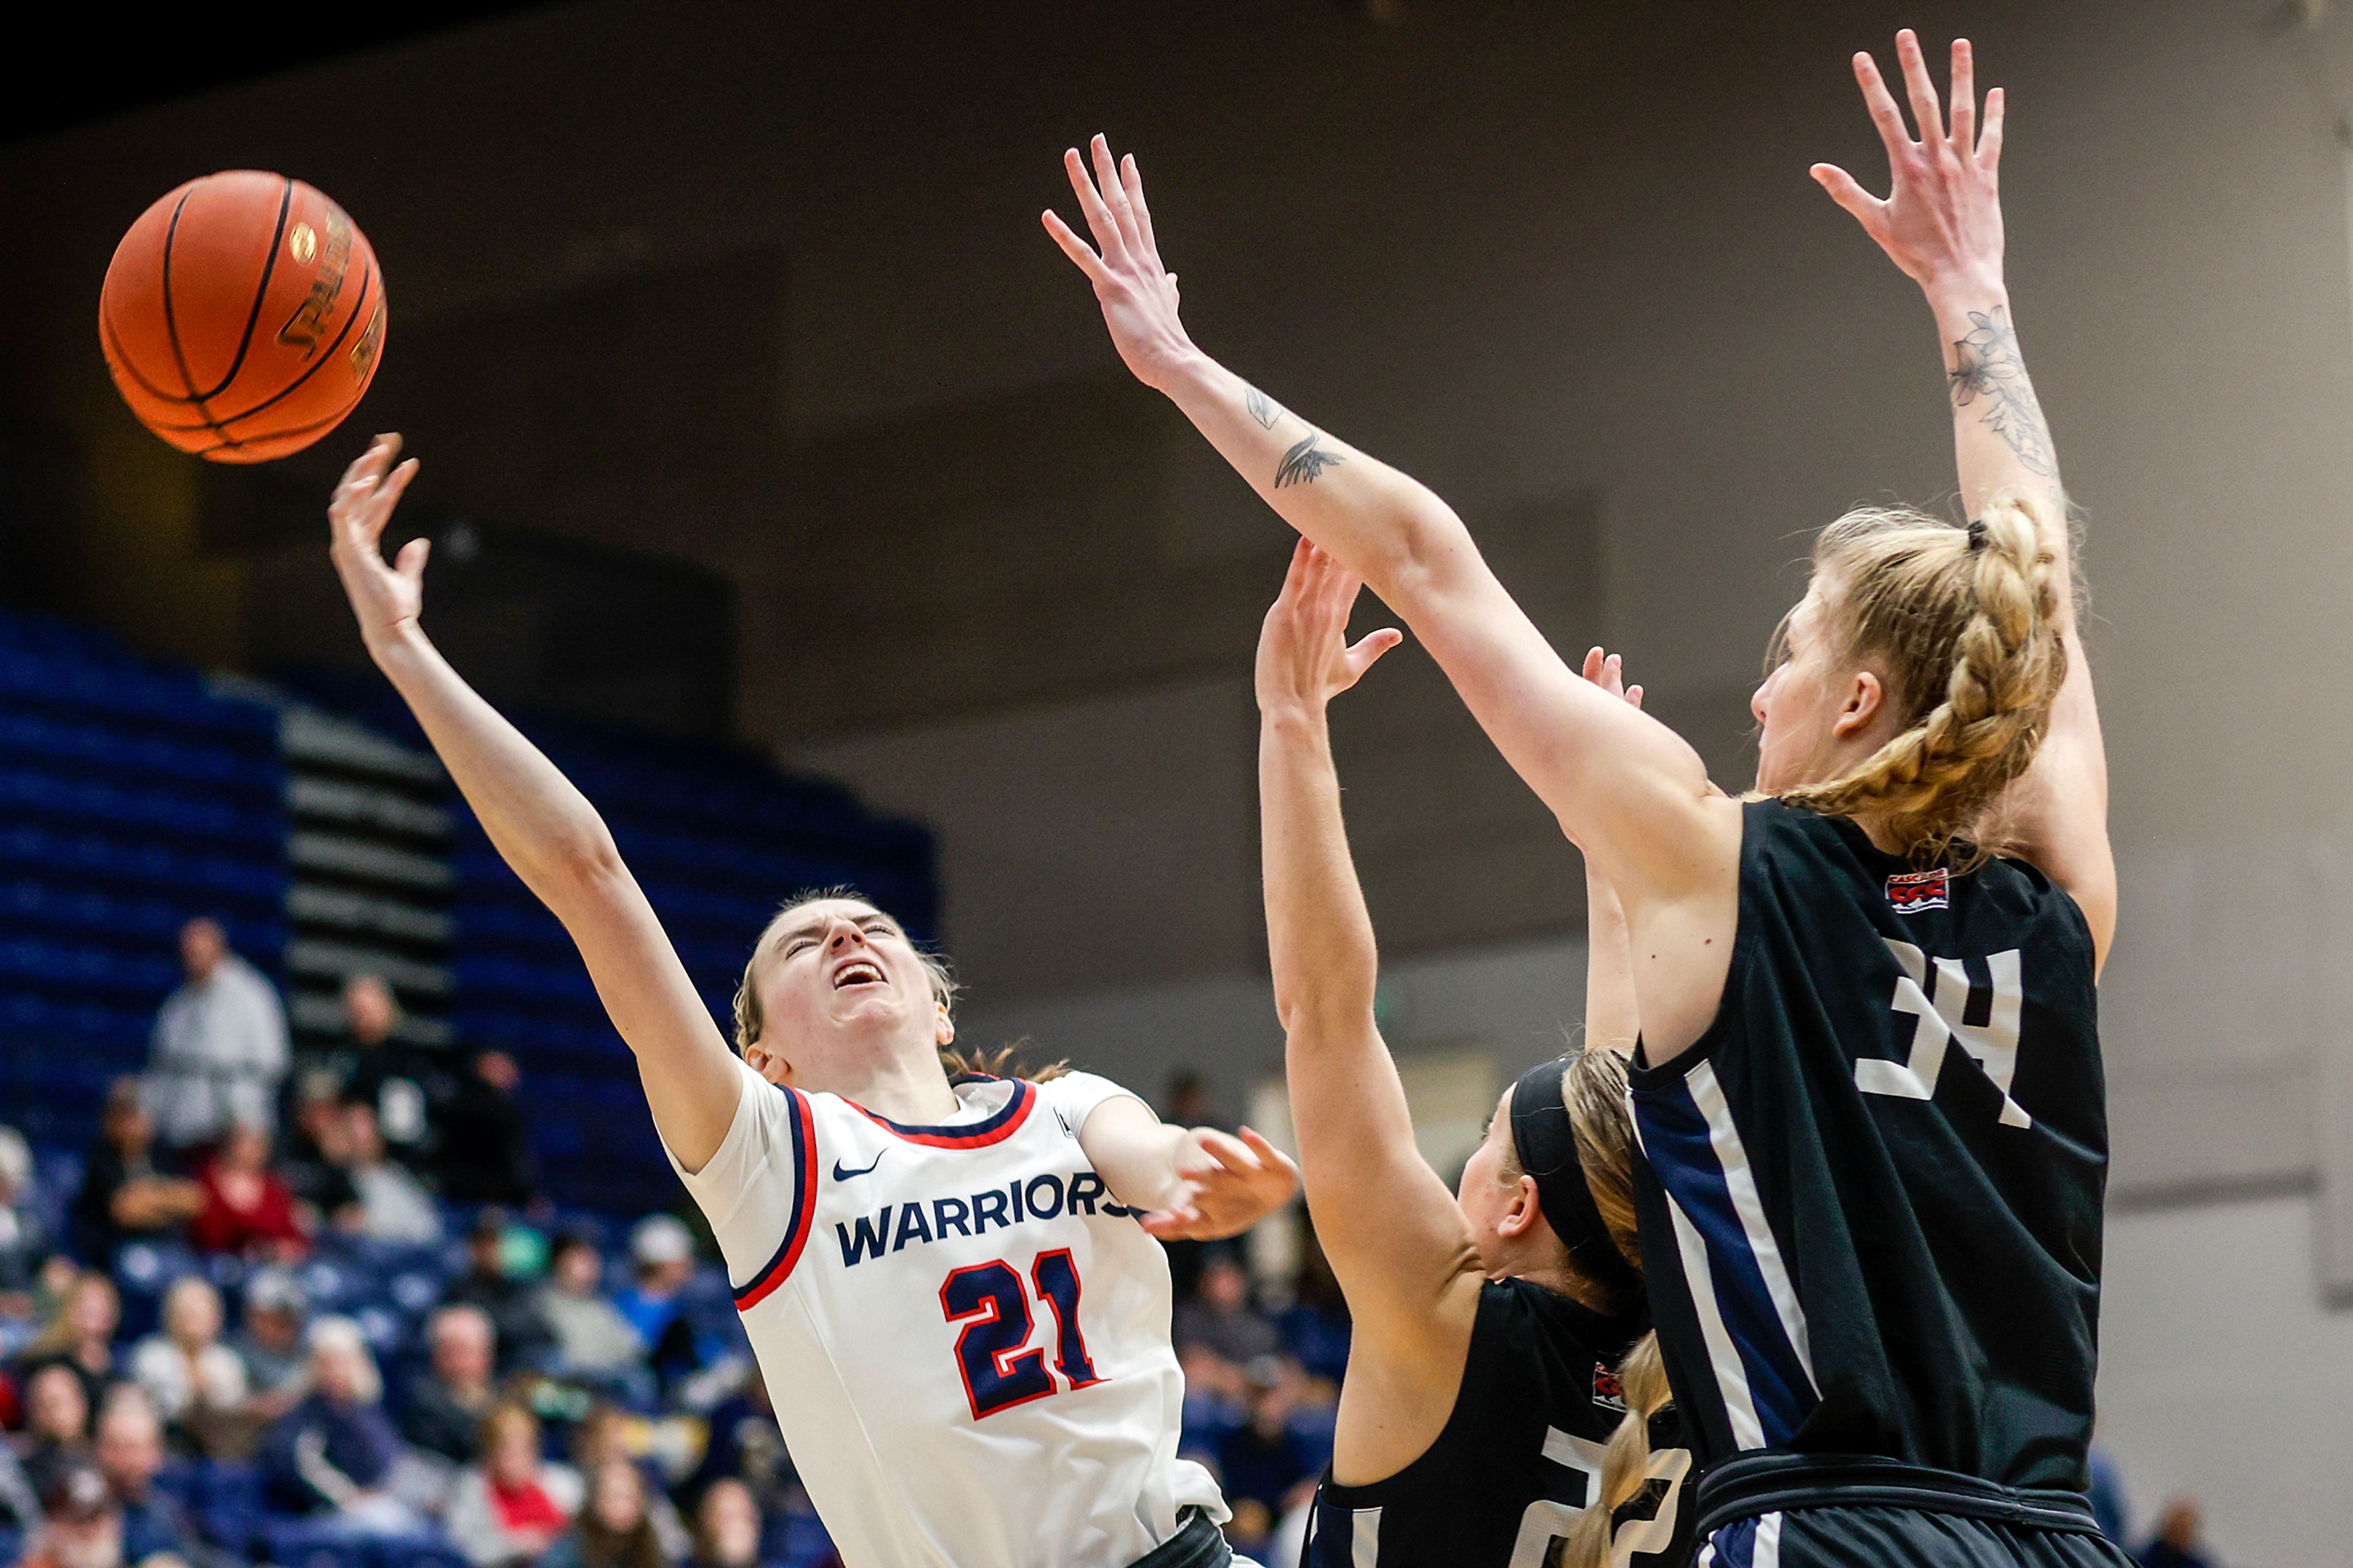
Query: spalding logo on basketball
point(243, 316)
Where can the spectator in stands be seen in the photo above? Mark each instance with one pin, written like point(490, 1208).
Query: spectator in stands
point(592, 1339)
point(247, 1211)
point(393, 1079)
point(125, 1195)
point(512, 1507)
point(277, 1362)
point(337, 1450)
point(1264, 1469)
point(24, 1239)
point(451, 1396)
point(83, 1529)
point(317, 1159)
point(393, 1207)
point(195, 1383)
point(662, 1251)
point(603, 1437)
point(2179, 1541)
point(510, 1304)
point(129, 1451)
point(1315, 1326)
point(485, 1147)
point(1220, 1317)
point(56, 1425)
point(615, 1528)
point(219, 1045)
point(727, 1528)
point(80, 1337)
point(745, 1444)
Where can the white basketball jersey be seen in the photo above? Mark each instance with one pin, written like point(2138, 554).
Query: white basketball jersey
point(964, 1334)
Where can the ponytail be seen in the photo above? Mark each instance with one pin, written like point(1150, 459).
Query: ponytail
point(1625, 1463)
point(1964, 626)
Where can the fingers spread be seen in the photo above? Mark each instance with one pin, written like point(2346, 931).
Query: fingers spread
point(1990, 138)
point(1964, 96)
point(1130, 179)
point(1077, 249)
point(1846, 190)
point(1114, 194)
point(1105, 226)
point(1927, 112)
point(1884, 112)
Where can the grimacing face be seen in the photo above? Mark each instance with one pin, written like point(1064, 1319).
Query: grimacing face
point(840, 972)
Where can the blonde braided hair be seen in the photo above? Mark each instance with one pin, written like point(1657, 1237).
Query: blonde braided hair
point(1625, 1462)
point(1965, 628)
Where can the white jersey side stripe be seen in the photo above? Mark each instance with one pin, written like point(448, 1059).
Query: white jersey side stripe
point(779, 1268)
point(1741, 1184)
point(1364, 1539)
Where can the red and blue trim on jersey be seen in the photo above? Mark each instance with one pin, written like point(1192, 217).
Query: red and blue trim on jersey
point(778, 1269)
point(979, 1135)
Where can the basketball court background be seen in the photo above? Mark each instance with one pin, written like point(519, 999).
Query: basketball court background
point(757, 294)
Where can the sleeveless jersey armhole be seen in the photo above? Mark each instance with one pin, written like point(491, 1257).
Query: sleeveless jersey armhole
point(1640, 1073)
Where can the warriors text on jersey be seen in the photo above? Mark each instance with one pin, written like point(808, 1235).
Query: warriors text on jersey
point(965, 1336)
point(1874, 1184)
point(1520, 1456)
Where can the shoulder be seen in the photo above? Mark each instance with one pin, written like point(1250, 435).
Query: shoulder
point(1075, 1095)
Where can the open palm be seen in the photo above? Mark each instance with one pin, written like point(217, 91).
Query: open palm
point(386, 597)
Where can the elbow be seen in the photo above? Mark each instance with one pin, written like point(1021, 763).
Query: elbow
point(1337, 995)
point(584, 860)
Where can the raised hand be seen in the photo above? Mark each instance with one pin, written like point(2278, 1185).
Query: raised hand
point(1304, 659)
point(1138, 294)
point(1941, 222)
point(1607, 671)
point(1227, 1185)
point(387, 598)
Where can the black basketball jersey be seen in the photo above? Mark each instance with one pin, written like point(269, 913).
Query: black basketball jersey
point(1871, 1207)
point(1518, 1459)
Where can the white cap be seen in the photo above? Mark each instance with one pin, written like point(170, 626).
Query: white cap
point(660, 1238)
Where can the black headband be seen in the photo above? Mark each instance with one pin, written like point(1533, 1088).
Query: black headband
point(1547, 1140)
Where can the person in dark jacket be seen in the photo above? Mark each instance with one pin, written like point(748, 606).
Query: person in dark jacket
point(485, 1147)
point(449, 1399)
point(335, 1452)
point(128, 1452)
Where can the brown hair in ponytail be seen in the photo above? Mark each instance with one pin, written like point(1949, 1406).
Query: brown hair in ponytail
point(1964, 625)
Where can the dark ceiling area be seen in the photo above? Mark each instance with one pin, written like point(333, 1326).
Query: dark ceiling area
point(94, 62)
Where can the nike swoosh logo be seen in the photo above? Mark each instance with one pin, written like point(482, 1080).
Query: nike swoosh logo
point(843, 1173)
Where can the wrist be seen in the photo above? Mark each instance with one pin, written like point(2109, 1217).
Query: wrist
point(1180, 368)
point(397, 646)
point(1291, 714)
point(1956, 295)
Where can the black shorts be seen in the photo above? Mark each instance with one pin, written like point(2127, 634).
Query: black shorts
point(1781, 1511)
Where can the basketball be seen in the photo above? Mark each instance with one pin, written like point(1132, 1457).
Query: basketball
point(243, 316)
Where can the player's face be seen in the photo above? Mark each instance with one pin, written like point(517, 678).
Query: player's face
point(1794, 708)
point(842, 966)
point(1486, 1199)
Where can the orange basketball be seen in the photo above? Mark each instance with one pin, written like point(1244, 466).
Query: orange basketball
point(243, 316)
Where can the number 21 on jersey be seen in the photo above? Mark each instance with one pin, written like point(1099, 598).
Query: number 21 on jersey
point(1938, 992)
point(999, 1368)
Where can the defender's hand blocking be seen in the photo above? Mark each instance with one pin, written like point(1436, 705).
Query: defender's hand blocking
point(1941, 222)
point(1226, 1186)
point(1138, 295)
point(1303, 655)
point(387, 598)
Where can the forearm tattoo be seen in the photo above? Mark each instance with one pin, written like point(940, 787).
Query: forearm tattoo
point(1262, 408)
point(1985, 364)
point(1305, 462)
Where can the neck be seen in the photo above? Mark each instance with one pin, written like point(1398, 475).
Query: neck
point(899, 1085)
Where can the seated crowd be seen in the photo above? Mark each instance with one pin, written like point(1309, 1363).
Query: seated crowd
point(227, 1356)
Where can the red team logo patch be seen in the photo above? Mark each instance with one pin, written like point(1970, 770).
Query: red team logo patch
point(1607, 1390)
point(1916, 890)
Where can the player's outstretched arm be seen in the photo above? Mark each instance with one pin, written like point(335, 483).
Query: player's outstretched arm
point(1195, 1184)
point(543, 825)
point(1941, 224)
point(1396, 1240)
point(1623, 785)
point(1612, 1018)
